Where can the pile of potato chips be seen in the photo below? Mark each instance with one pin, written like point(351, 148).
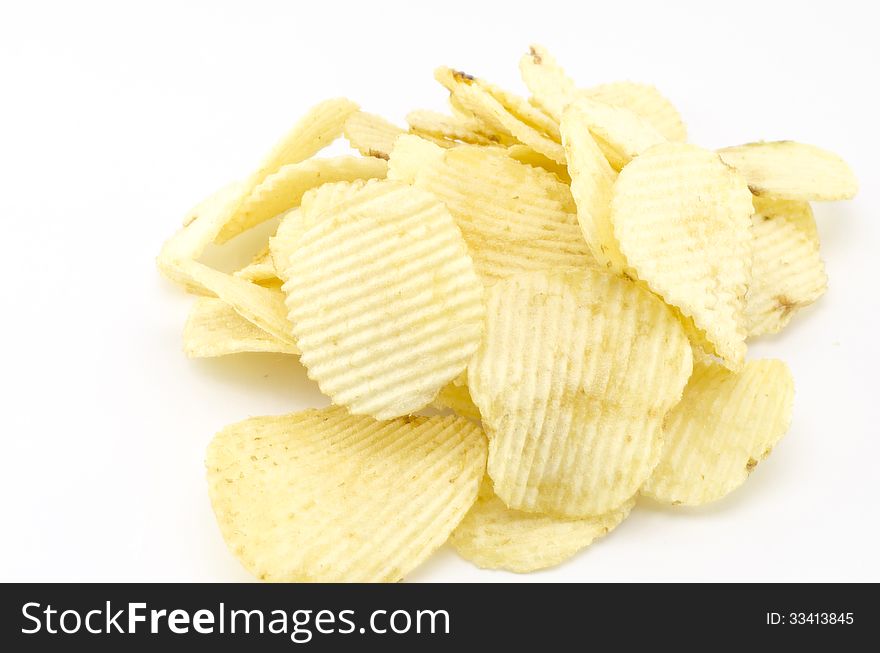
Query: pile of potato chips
point(567, 277)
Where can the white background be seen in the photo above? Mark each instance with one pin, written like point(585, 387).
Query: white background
point(116, 119)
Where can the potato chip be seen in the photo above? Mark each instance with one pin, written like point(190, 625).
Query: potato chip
point(620, 133)
point(213, 328)
point(456, 128)
point(523, 110)
point(493, 536)
point(725, 424)
point(321, 125)
point(260, 269)
point(790, 170)
point(550, 87)
point(410, 154)
point(371, 135)
point(514, 217)
point(573, 377)
point(682, 220)
point(476, 99)
point(645, 101)
point(283, 190)
point(457, 398)
point(262, 307)
point(592, 180)
point(324, 496)
point(787, 274)
point(525, 154)
point(200, 227)
point(796, 212)
point(384, 300)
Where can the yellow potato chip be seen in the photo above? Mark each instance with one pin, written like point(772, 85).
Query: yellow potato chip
point(476, 99)
point(493, 536)
point(384, 300)
point(550, 87)
point(525, 154)
point(261, 269)
point(725, 424)
point(200, 227)
point(371, 135)
point(410, 154)
point(283, 190)
point(325, 496)
point(592, 180)
point(682, 220)
point(321, 125)
point(787, 274)
point(456, 128)
point(798, 213)
point(262, 307)
point(514, 217)
point(644, 100)
point(573, 377)
point(790, 170)
point(620, 133)
point(213, 328)
point(523, 110)
point(457, 398)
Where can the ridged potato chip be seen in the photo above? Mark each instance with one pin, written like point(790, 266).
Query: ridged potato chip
point(525, 154)
point(787, 273)
point(592, 180)
point(385, 304)
point(683, 222)
point(321, 125)
point(213, 328)
point(261, 268)
point(371, 135)
point(471, 95)
point(456, 128)
point(573, 377)
point(514, 217)
point(796, 212)
point(324, 496)
point(493, 536)
point(410, 154)
point(550, 87)
point(644, 100)
point(457, 398)
point(725, 424)
point(263, 307)
point(284, 189)
point(790, 170)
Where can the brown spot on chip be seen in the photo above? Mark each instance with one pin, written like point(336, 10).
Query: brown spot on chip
point(751, 465)
point(756, 190)
point(785, 305)
point(378, 154)
point(535, 56)
point(461, 76)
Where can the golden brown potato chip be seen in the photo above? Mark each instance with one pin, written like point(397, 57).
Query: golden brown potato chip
point(725, 424)
point(573, 378)
point(384, 300)
point(790, 170)
point(514, 217)
point(682, 220)
point(325, 496)
point(213, 328)
point(371, 135)
point(493, 536)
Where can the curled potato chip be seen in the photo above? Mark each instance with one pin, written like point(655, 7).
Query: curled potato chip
point(261, 268)
point(457, 398)
point(262, 307)
point(724, 425)
point(325, 496)
point(384, 300)
point(475, 98)
point(321, 125)
point(514, 217)
point(592, 180)
point(645, 101)
point(682, 220)
point(371, 135)
point(796, 212)
point(456, 128)
point(790, 170)
point(410, 154)
point(573, 377)
point(493, 536)
point(550, 87)
point(525, 154)
point(787, 272)
point(283, 190)
point(213, 328)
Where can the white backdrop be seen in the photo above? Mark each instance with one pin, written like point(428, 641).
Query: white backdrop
point(115, 120)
